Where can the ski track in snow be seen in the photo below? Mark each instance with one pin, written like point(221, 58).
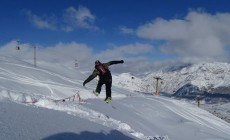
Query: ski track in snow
point(50, 85)
point(50, 73)
point(47, 72)
point(24, 80)
point(76, 109)
point(70, 108)
point(188, 112)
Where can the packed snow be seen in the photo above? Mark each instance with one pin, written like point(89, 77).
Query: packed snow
point(48, 102)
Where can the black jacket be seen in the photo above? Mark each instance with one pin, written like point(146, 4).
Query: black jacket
point(103, 77)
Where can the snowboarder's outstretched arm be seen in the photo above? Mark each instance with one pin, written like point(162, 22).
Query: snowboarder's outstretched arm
point(115, 62)
point(91, 77)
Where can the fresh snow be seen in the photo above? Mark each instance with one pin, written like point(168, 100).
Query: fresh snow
point(31, 107)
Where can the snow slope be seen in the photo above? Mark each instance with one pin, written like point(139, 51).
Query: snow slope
point(32, 107)
point(20, 122)
point(208, 81)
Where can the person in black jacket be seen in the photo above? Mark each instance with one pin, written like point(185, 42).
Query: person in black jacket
point(105, 77)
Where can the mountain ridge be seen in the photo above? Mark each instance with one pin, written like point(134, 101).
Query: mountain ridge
point(211, 77)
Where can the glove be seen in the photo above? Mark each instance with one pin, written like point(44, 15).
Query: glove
point(122, 61)
point(84, 83)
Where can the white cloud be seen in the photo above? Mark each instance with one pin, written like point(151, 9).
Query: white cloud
point(136, 48)
point(72, 19)
point(62, 53)
point(132, 54)
point(163, 29)
point(67, 53)
point(42, 22)
point(9, 49)
point(130, 50)
point(80, 18)
point(126, 30)
point(199, 34)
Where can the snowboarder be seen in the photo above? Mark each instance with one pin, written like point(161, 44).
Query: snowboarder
point(105, 77)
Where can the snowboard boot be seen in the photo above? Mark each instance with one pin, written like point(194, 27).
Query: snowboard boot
point(96, 93)
point(108, 99)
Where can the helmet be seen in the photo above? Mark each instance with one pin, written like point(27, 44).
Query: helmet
point(97, 62)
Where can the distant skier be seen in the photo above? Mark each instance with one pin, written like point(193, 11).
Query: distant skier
point(105, 77)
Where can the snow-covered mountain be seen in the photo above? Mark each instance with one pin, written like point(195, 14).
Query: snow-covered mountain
point(48, 102)
point(210, 77)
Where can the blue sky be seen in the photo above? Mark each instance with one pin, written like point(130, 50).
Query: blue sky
point(147, 30)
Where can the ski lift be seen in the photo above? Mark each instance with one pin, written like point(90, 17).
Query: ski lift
point(157, 78)
point(18, 47)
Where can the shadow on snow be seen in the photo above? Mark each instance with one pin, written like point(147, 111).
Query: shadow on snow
point(86, 135)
